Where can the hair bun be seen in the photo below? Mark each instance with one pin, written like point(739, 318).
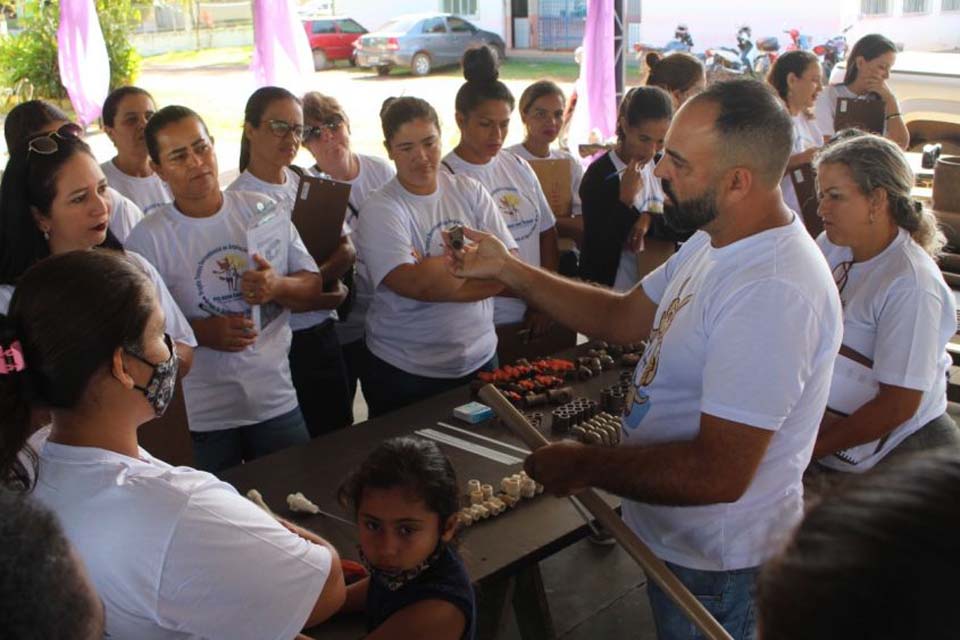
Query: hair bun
point(652, 59)
point(386, 104)
point(479, 65)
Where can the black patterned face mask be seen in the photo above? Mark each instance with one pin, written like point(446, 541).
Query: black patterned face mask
point(163, 380)
point(395, 580)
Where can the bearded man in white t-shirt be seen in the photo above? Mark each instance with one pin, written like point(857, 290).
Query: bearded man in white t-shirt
point(742, 327)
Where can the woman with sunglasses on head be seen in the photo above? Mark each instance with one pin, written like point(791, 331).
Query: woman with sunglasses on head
point(172, 551)
point(888, 395)
point(541, 111)
point(272, 131)
point(125, 115)
point(327, 137)
point(54, 199)
point(35, 117)
point(427, 331)
point(483, 107)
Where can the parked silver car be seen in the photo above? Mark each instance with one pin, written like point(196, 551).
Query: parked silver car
point(422, 42)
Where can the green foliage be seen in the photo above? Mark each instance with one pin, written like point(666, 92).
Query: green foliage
point(32, 53)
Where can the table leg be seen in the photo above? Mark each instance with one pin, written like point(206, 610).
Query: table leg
point(531, 607)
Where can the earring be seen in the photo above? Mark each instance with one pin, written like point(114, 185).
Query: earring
point(46, 235)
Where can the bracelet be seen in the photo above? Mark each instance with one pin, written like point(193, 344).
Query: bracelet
point(893, 115)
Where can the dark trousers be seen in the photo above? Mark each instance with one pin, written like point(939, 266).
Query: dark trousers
point(355, 359)
point(215, 451)
point(320, 378)
point(388, 388)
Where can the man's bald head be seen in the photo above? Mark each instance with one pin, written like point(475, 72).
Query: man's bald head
point(751, 128)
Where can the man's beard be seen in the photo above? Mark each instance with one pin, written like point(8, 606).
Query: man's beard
point(689, 215)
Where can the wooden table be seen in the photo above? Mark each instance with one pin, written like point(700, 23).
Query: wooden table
point(501, 553)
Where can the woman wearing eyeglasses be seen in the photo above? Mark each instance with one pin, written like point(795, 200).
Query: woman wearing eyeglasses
point(30, 119)
point(327, 137)
point(888, 393)
point(54, 199)
point(125, 115)
point(272, 132)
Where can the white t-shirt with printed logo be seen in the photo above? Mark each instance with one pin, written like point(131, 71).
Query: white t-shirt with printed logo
point(747, 333)
point(124, 214)
point(374, 173)
point(523, 206)
point(576, 172)
point(285, 196)
point(396, 227)
point(202, 261)
point(147, 193)
point(176, 554)
point(649, 199)
point(899, 313)
point(806, 135)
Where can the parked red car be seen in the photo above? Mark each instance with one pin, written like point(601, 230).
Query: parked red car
point(332, 38)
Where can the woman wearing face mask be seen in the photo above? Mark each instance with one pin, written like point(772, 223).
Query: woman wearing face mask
point(53, 199)
point(868, 69)
point(172, 551)
point(427, 331)
point(326, 135)
point(621, 195)
point(483, 107)
point(36, 117)
point(541, 111)
point(125, 114)
point(272, 131)
point(796, 77)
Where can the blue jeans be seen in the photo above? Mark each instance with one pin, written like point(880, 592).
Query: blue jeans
point(215, 451)
point(727, 595)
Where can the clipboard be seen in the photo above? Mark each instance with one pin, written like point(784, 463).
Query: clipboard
point(269, 236)
point(555, 180)
point(318, 214)
point(805, 186)
point(866, 115)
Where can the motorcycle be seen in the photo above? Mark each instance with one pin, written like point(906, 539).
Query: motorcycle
point(682, 41)
point(726, 61)
point(770, 50)
point(831, 52)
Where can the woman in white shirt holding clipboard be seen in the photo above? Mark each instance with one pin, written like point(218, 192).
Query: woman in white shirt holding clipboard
point(888, 392)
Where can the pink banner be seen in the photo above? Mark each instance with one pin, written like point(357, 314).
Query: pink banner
point(82, 55)
point(281, 50)
point(598, 67)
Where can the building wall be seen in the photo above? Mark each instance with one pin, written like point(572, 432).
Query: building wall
point(490, 15)
point(936, 29)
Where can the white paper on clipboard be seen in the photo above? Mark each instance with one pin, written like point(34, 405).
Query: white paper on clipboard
point(269, 237)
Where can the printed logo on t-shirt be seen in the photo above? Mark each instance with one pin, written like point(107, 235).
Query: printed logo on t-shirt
point(638, 401)
point(434, 239)
point(521, 215)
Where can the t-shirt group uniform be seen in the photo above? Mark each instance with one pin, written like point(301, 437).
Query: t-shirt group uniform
point(124, 214)
point(825, 108)
point(746, 332)
point(418, 349)
point(516, 190)
point(569, 254)
point(147, 192)
point(898, 315)
point(316, 362)
point(806, 135)
point(374, 173)
point(239, 405)
point(173, 552)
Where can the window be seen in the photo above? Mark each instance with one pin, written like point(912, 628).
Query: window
point(915, 6)
point(950, 5)
point(323, 26)
point(434, 25)
point(459, 7)
point(351, 26)
point(874, 7)
point(459, 26)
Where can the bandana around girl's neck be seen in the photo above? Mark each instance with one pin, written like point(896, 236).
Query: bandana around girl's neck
point(395, 580)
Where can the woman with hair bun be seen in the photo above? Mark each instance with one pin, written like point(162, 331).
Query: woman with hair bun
point(888, 395)
point(679, 74)
point(483, 108)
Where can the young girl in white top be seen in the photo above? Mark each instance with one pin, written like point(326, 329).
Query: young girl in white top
point(326, 135)
point(483, 107)
point(125, 114)
point(888, 393)
point(541, 111)
point(272, 132)
point(868, 68)
point(173, 552)
point(796, 77)
point(427, 331)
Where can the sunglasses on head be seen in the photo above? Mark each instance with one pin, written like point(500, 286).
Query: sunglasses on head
point(280, 128)
point(46, 144)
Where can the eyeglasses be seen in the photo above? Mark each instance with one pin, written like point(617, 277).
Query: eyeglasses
point(46, 144)
point(314, 132)
point(280, 128)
